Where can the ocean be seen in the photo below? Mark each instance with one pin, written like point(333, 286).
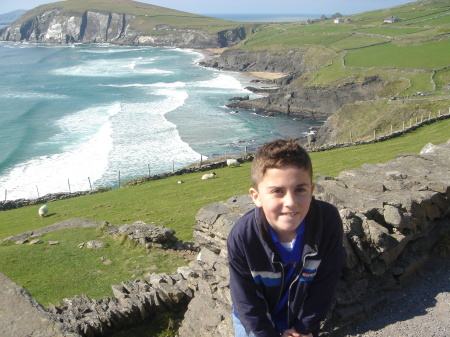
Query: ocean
point(245, 17)
point(72, 117)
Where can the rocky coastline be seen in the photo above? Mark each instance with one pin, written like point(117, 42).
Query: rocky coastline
point(55, 26)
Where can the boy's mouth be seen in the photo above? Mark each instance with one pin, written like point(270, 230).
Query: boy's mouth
point(290, 214)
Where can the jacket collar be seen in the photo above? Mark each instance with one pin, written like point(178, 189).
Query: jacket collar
point(313, 231)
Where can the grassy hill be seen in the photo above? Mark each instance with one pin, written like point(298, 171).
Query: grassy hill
point(147, 16)
point(366, 45)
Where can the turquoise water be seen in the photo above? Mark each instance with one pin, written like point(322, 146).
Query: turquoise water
point(74, 114)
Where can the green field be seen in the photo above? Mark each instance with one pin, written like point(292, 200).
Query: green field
point(428, 56)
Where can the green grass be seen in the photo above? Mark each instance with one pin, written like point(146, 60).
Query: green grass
point(442, 78)
point(363, 118)
point(354, 41)
point(52, 273)
point(335, 161)
point(390, 31)
point(429, 56)
point(163, 202)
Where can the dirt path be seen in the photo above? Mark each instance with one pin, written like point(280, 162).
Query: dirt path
point(421, 309)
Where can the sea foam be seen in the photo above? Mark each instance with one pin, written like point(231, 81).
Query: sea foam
point(67, 171)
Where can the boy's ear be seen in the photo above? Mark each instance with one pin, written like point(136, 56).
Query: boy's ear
point(255, 197)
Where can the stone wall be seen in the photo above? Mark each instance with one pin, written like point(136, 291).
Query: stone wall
point(394, 216)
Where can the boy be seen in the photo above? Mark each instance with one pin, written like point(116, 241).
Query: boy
point(286, 255)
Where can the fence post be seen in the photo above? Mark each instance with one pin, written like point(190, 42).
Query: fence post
point(391, 129)
point(246, 153)
point(37, 189)
point(6, 194)
point(90, 185)
point(148, 165)
point(173, 166)
point(403, 125)
point(201, 160)
point(374, 134)
point(68, 183)
point(119, 179)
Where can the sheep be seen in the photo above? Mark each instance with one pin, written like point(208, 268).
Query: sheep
point(233, 163)
point(209, 176)
point(43, 211)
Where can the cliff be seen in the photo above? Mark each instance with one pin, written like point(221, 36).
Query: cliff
point(312, 103)
point(55, 25)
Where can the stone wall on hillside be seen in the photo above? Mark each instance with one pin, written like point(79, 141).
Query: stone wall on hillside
point(394, 216)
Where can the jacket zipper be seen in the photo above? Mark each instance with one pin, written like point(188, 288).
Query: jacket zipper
point(282, 278)
point(295, 279)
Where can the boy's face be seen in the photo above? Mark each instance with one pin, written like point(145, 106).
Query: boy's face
point(285, 195)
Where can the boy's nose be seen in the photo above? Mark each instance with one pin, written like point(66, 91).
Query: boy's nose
point(289, 199)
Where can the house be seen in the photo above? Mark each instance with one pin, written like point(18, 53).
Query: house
point(392, 19)
point(338, 20)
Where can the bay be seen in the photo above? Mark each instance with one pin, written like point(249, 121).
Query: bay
point(70, 115)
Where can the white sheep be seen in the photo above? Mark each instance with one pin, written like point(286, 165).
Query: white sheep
point(43, 211)
point(209, 176)
point(233, 163)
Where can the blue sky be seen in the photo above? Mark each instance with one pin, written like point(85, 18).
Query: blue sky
point(290, 7)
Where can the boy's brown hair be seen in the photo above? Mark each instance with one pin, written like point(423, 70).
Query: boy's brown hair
point(276, 154)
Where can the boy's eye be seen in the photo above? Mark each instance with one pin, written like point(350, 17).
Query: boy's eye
point(276, 191)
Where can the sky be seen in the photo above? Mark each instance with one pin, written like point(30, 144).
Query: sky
point(291, 7)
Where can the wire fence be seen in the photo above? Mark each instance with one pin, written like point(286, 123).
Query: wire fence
point(203, 164)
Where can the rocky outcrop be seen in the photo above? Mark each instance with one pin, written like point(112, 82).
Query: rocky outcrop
point(132, 304)
point(192, 38)
point(56, 26)
point(394, 216)
point(21, 315)
point(52, 26)
point(313, 103)
point(291, 62)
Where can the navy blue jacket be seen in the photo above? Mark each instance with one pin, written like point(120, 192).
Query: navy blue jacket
point(256, 271)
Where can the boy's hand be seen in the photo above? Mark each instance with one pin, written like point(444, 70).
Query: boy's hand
point(293, 333)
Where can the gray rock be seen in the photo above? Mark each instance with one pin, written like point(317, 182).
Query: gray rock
point(95, 244)
point(21, 315)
